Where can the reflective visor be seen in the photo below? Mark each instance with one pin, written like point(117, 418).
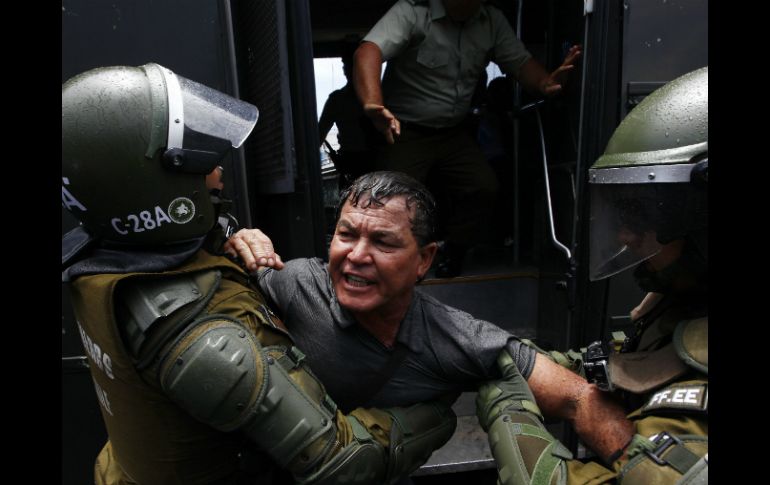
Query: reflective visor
point(623, 227)
point(204, 124)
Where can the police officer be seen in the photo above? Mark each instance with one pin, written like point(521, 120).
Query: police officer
point(649, 211)
point(191, 369)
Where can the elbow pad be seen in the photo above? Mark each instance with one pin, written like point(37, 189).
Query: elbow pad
point(524, 451)
point(220, 374)
point(415, 433)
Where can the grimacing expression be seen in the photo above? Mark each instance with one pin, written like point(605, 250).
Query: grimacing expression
point(374, 259)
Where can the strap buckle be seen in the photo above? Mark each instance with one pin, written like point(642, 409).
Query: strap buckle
point(295, 355)
point(662, 442)
point(595, 366)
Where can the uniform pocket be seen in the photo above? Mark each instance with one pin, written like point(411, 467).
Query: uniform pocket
point(432, 57)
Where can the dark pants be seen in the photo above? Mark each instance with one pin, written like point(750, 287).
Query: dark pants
point(449, 159)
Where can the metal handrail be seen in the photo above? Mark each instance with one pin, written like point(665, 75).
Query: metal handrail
point(556, 242)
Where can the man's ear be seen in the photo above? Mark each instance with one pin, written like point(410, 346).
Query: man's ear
point(427, 253)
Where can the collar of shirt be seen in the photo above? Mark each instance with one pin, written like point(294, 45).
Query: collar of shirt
point(409, 332)
point(438, 11)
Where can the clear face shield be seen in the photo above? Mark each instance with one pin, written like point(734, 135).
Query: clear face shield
point(204, 124)
point(622, 228)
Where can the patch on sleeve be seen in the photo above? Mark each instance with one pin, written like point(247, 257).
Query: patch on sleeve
point(689, 397)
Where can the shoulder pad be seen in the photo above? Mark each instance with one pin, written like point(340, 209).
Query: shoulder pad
point(142, 302)
point(691, 341)
point(641, 372)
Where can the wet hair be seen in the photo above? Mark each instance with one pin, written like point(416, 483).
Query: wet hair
point(376, 188)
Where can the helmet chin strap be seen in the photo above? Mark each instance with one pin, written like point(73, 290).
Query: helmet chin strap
point(74, 244)
point(227, 221)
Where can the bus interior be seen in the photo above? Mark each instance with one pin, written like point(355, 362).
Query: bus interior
point(529, 275)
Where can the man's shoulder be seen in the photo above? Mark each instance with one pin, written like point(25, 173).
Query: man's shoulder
point(299, 268)
point(298, 273)
point(494, 13)
point(304, 264)
point(411, 5)
point(338, 94)
point(443, 314)
point(452, 320)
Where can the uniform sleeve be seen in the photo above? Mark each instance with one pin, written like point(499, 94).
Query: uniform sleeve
point(280, 286)
point(509, 52)
point(394, 30)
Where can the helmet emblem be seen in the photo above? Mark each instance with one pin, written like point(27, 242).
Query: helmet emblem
point(181, 210)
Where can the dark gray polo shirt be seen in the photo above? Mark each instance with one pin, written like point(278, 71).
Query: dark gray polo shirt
point(448, 350)
point(434, 63)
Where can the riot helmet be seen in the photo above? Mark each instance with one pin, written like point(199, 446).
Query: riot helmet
point(650, 187)
point(137, 144)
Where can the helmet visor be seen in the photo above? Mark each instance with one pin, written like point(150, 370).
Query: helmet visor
point(216, 114)
point(623, 227)
point(204, 124)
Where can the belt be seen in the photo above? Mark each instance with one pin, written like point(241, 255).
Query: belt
point(428, 130)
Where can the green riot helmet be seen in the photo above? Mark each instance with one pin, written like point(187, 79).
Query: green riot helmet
point(649, 187)
point(137, 144)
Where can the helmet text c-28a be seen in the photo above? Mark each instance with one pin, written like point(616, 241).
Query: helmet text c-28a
point(148, 220)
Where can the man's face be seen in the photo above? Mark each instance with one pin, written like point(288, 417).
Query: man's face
point(374, 259)
point(642, 244)
point(461, 10)
point(668, 253)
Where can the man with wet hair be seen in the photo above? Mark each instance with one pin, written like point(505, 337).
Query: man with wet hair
point(407, 346)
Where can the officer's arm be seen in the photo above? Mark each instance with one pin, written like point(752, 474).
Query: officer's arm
point(237, 371)
point(598, 419)
point(222, 375)
point(367, 67)
point(524, 451)
point(533, 76)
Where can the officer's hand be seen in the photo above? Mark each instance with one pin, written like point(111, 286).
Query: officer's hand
point(385, 121)
point(254, 248)
point(552, 84)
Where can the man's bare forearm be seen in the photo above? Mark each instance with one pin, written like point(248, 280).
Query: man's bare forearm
point(597, 417)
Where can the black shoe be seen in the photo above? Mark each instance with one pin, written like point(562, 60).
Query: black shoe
point(451, 262)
